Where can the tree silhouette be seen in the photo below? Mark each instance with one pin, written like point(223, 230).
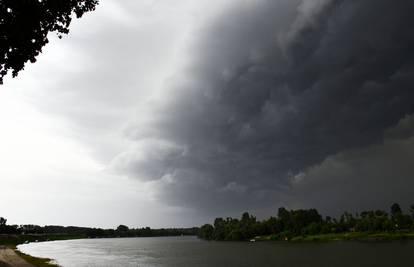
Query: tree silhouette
point(412, 210)
point(301, 222)
point(122, 228)
point(206, 232)
point(395, 210)
point(25, 24)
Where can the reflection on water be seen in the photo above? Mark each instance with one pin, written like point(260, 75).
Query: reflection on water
point(192, 252)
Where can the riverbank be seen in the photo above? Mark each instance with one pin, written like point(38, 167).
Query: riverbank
point(349, 236)
point(35, 261)
point(10, 256)
point(9, 243)
point(190, 251)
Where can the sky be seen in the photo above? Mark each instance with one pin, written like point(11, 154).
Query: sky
point(168, 113)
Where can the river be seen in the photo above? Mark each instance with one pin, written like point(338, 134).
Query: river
point(192, 252)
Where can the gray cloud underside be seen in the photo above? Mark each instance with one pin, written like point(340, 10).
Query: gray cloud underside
point(277, 91)
point(368, 178)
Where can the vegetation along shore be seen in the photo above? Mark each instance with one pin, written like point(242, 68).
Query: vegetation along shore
point(309, 225)
point(288, 225)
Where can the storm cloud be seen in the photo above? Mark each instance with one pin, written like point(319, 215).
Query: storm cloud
point(275, 94)
point(171, 113)
point(366, 178)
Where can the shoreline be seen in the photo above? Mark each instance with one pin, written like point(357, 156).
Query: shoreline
point(347, 236)
point(12, 257)
point(11, 254)
point(9, 246)
point(36, 261)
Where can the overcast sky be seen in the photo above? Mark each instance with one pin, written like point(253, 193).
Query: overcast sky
point(171, 113)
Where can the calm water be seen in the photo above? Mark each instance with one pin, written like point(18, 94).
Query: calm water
point(191, 252)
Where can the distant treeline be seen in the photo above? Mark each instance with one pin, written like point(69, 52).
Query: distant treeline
point(120, 231)
point(292, 223)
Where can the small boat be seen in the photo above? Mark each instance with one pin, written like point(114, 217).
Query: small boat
point(253, 240)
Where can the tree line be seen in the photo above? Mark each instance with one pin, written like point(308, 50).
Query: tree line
point(120, 231)
point(291, 223)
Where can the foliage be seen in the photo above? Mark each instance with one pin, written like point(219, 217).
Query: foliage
point(299, 224)
point(18, 234)
point(122, 228)
point(25, 24)
point(206, 232)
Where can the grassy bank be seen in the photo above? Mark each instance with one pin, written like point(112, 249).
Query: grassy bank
point(39, 262)
point(350, 236)
point(11, 241)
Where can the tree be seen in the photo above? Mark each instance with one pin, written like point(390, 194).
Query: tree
point(412, 211)
point(220, 231)
point(3, 226)
point(206, 232)
point(395, 210)
point(247, 226)
point(284, 219)
point(122, 228)
point(25, 24)
point(396, 215)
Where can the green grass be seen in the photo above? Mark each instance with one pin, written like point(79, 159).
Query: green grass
point(38, 262)
point(356, 236)
point(351, 236)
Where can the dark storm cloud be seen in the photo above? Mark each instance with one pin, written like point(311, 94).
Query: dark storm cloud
point(362, 179)
point(275, 88)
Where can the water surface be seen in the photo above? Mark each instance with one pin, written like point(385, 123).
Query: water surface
point(192, 252)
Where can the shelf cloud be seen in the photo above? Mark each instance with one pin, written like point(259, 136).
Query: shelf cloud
point(187, 110)
point(282, 91)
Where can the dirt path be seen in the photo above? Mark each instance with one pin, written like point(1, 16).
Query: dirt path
point(9, 258)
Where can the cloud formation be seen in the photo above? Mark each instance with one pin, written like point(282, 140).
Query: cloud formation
point(275, 88)
point(298, 103)
point(369, 178)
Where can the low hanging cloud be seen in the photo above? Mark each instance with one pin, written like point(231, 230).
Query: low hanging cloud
point(275, 97)
point(367, 178)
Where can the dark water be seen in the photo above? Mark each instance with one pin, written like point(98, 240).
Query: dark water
point(191, 252)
